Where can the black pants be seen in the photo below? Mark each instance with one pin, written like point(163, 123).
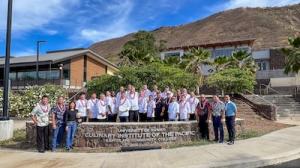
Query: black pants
point(83, 119)
point(230, 124)
point(112, 117)
point(158, 116)
point(192, 117)
point(133, 115)
point(143, 117)
point(203, 126)
point(123, 119)
point(93, 120)
point(42, 138)
point(150, 119)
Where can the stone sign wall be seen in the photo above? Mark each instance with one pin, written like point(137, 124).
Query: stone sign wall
point(95, 135)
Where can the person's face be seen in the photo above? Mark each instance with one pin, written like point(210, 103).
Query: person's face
point(132, 89)
point(102, 97)
point(184, 91)
point(123, 95)
point(226, 98)
point(215, 98)
point(150, 97)
point(93, 96)
point(173, 99)
point(108, 93)
point(45, 100)
point(155, 87)
point(60, 100)
point(192, 94)
point(167, 89)
point(129, 87)
point(158, 95)
point(202, 98)
point(82, 97)
point(122, 89)
point(72, 105)
point(145, 87)
point(112, 93)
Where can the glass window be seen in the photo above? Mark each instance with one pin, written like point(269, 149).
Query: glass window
point(12, 75)
point(172, 54)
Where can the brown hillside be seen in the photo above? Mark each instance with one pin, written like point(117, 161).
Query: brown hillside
point(270, 26)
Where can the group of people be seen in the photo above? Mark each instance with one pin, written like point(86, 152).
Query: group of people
point(128, 105)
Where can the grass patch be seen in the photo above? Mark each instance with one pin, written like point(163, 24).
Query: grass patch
point(248, 134)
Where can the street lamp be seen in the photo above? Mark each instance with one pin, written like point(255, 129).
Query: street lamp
point(38, 43)
point(61, 73)
point(7, 62)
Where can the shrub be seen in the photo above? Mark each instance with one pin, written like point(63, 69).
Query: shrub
point(22, 103)
point(232, 80)
point(155, 73)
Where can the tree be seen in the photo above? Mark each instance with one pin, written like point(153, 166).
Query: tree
point(292, 63)
point(232, 80)
point(155, 73)
point(239, 59)
point(141, 50)
point(193, 61)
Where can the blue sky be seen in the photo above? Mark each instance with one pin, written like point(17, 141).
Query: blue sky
point(79, 23)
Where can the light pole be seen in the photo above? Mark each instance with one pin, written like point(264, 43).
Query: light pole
point(38, 43)
point(7, 62)
point(61, 73)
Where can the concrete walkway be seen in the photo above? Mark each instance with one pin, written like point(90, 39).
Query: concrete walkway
point(276, 147)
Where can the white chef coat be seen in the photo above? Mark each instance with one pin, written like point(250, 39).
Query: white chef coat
point(134, 100)
point(102, 106)
point(143, 104)
point(81, 106)
point(93, 107)
point(184, 109)
point(150, 108)
point(111, 102)
point(193, 101)
point(173, 110)
point(123, 107)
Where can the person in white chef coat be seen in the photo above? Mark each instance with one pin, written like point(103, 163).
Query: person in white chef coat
point(193, 101)
point(92, 107)
point(81, 106)
point(173, 109)
point(133, 98)
point(123, 106)
point(102, 106)
point(184, 108)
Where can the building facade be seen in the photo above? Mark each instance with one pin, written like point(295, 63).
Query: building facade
point(69, 68)
point(270, 62)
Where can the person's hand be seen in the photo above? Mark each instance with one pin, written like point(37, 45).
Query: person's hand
point(208, 121)
point(54, 126)
point(66, 128)
point(223, 121)
point(103, 114)
point(162, 114)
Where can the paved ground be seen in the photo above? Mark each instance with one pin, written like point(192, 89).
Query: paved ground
point(276, 147)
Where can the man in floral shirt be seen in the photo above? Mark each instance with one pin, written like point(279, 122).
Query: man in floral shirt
point(40, 117)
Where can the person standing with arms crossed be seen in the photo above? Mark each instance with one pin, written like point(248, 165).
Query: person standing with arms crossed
point(123, 106)
point(40, 118)
point(230, 115)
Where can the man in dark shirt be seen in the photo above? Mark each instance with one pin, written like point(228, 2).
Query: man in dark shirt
point(203, 115)
point(58, 123)
point(160, 107)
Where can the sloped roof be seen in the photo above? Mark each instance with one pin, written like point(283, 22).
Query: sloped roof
point(57, 57)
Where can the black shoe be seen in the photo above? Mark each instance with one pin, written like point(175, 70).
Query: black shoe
point(41, 151)
point(221, 141)
point(216, 140)
point(230, 143)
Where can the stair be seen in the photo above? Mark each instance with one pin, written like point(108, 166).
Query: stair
point(287, 106)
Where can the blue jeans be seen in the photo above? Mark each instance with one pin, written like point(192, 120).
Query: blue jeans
point(72, 126)
point(218, 128)
point(57, 136)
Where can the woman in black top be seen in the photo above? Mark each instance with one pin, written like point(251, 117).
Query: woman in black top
point(70, 120)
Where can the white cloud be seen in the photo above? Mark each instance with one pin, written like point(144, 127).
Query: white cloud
point(31, 15)
point(117, 22)
point(257, 3)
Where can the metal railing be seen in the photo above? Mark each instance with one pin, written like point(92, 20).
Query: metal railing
point(267, 87)
point(261, 98)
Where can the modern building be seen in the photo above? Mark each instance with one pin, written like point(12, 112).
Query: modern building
point(270, 63)
point(70, 68)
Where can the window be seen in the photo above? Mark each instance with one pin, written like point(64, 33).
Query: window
point(262, 65)
point(222, 52)
point(172, 54)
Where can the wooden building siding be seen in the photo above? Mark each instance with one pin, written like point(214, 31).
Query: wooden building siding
point(94, 68)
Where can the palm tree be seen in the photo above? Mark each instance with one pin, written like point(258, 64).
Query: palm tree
point(292, 64)
point(194, 60)
point(239, 59)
